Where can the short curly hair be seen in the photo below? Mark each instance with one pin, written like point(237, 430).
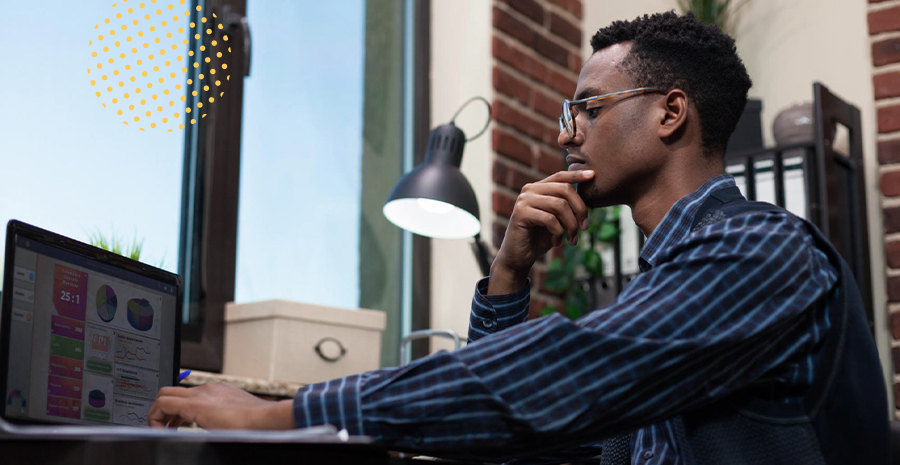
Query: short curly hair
point(671, 51)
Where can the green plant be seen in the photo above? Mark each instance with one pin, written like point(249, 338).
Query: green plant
point(577, 273)
point(722, 13)
point(113, 243)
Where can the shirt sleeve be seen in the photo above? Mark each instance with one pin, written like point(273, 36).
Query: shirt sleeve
point(729, 306)
point(493, 313)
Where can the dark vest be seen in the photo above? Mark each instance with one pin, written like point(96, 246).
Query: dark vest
point(842, 419)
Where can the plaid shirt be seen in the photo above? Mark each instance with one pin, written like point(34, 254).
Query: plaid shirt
point(724, 308)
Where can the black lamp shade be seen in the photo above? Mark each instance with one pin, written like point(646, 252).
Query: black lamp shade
point(435, 199)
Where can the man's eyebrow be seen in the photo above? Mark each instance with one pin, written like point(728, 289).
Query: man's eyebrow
point(589, 92)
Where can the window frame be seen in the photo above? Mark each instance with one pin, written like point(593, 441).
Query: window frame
point(211, 185)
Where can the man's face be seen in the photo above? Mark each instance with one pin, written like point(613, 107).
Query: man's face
point(615, 137)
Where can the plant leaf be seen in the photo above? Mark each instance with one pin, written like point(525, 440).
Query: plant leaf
point(608, 232)
point(593, 263)
point(557, 279)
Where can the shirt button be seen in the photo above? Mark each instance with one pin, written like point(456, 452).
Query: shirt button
point(487, 323)
point(648, 454)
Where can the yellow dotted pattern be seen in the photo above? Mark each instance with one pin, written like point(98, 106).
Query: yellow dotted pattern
point(149, 17)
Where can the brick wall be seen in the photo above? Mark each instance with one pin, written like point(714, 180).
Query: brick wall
point(536, 48)
point(884, 30)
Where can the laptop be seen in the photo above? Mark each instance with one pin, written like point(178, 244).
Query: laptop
point(87, 339)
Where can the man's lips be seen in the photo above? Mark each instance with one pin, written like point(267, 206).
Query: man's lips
point(575, 162)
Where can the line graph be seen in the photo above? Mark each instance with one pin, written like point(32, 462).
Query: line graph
point(136, 382)
point(124, 354)
point(132, 417)
point(131, 411)
point(136, 350)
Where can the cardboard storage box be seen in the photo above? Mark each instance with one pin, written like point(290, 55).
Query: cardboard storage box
point(278, 340)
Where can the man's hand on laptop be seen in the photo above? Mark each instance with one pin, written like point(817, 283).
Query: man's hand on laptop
point(218, 406)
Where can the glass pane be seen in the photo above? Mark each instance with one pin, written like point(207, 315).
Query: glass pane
point(301, 154)
point(69, 164)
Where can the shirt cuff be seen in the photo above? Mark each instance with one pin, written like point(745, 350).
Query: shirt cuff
point(492, 313)
point(335, 402)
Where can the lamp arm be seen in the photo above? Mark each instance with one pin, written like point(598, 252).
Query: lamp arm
point(486, 123)
point(482, 254)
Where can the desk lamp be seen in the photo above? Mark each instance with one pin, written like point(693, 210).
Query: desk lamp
point(435, 199)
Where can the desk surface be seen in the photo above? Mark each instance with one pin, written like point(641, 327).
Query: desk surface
point(153, 452)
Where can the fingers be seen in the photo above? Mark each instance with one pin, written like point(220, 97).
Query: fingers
point(174, 391)
point(556, 215)
point(570, 177)
point(556, 195)
point(168, 408)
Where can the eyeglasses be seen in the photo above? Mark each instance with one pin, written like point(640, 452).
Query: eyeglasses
point(569, 112)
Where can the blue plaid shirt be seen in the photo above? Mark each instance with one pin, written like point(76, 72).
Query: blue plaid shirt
point(725, 308)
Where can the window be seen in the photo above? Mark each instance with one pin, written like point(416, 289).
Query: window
point(301, 154)
point(68, 163)
point(284, 185)
point(275, 193)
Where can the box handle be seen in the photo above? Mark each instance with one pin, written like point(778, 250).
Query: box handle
point(327, 358)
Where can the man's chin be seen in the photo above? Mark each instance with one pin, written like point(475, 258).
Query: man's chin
point(593, 197)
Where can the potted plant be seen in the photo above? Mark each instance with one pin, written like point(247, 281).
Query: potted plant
point(578, 275)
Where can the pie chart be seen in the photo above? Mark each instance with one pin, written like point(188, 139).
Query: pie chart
point(140, 314)
point(106, 303)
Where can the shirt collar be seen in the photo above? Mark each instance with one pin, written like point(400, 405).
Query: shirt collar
point(676, 225)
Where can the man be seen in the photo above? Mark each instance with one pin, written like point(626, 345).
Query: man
point(742, 341)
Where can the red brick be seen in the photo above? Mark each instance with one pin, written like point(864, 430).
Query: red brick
point(503, 204)
point(890, 184)
point(563, 28)
point(511, 176)
point(562, 84)
point(889, 151)
point(498, 231)
point(530, 8)
point(895, 325)
point(892, 252)
point(884, 20)
point(545, 105)
point(551, 50)
point(887, 85)
point(537, 130)
point(889, 119)
point(505, 83)
point(896, 385)
point(895, 354)
point(499, 173)
point(515, 28)
point(539, 302)
point(508, 145)
point(886, 51)
point(518, 178)
point(893, 288)
point(572, 6)
point(575, 62)
point(535, 306)
point(518, 60)
point(549, 162)
point(891, 220)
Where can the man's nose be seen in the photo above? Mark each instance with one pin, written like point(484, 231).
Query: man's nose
point(566, 142)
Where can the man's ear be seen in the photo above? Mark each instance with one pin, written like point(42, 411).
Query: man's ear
point(674, 114)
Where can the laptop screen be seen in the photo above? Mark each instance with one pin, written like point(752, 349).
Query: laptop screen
point(89, 341)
